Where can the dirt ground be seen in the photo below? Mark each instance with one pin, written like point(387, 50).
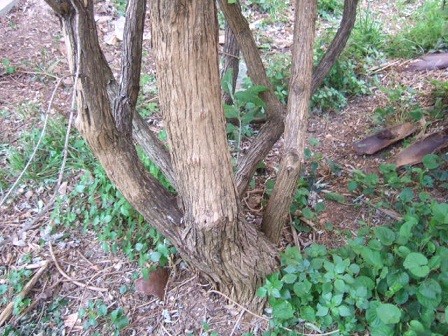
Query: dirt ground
point(31, 40)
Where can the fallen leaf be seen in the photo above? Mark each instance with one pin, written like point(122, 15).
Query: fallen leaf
point(429, 62)
point(384, 138)
point(430, 144)
point(155, 285)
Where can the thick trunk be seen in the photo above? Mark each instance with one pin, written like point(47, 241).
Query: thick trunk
point(218, 240)
point(208, 230)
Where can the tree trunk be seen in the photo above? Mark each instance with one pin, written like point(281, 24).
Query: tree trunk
point(296, 122)
point(231, 59)
point(208, 228)
point(218, 239)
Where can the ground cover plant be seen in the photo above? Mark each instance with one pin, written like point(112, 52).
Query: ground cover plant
point(382, 279)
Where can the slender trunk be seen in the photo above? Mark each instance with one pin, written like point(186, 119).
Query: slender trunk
point(296, 120)
point(231, 59)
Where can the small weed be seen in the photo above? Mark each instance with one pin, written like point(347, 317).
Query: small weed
point(388, 280)
point(428, 34)
point(97, 312)
point(8, 68)
point(247, 105)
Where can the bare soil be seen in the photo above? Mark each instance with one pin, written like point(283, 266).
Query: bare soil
point(31, 41)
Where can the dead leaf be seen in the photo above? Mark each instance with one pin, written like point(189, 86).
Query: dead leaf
point(384, 138)
point(429, 62)
point(155, 285)
point(430, 144)
point(70, 320)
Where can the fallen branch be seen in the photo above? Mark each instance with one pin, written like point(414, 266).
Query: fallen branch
point(6, 313)
point(61, 271)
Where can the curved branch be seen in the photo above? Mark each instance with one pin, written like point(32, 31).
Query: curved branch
point(131, 60)
point(337, 45)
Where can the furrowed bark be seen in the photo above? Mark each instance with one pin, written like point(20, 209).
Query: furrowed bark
point(219, 242)
point(154, 148)
point(274, 129)
point(231, 58)
point(296, 120)
point(95, 93)
point(131, 60)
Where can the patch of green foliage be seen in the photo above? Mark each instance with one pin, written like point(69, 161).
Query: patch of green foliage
point(428, 34)
point(389, 280)
point(97, 312)
point(93, 202)
point(247, 105)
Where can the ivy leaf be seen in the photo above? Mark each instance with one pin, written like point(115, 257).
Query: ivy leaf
point(417, 264)
point(388, 313)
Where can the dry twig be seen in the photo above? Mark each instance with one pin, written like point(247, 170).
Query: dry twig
point(61, 271)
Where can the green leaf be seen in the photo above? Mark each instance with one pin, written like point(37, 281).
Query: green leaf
point(282, 309)
point(345, 311)
point(440, 213)
point(388, 313)
point(352, 186)
point(302, 288)
point(429, 294)
point(308, 313)
point(432, 161)
point(417, 263)
point(262, 292)
point(289, 278)
point(335, 197)
point(307, 213)
point(372, 257)
point(406, 195)
point(385, 235)
point(339, 285)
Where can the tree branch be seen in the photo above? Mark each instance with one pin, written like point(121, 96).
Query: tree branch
point(296, 120)
point(131, 60)
point(275, 111)
point(96, 91)
point(337, 45)
point(153, 147)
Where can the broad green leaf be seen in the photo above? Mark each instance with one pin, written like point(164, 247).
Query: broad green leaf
point(406, 195)
point(440, 213)
point(339, 285)
point(282, 309)
point(372, 257)
point(432, 161)
point(406, 227)
point(262, 292)
point(345, 311)
point(385, 235)
point(417, 264)
point(302, 288)
point(308, 313)
point(289, 278)
point(388, 313)
point(429, 294)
